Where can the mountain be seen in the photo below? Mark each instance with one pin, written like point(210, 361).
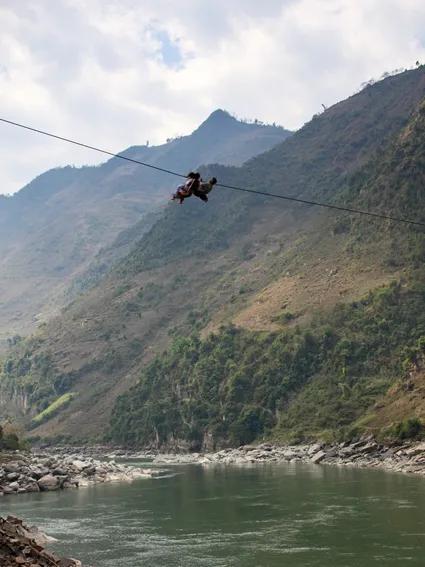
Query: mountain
point(52, 230)
point(317, 316)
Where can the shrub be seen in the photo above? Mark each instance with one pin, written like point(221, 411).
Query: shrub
point(411, 428)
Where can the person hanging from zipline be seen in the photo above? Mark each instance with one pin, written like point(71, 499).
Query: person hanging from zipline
point(186, 189)
point(204, 188)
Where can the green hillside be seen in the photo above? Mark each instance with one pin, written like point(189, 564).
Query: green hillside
point(302, 303)
point(238, 386)
point(323, 379)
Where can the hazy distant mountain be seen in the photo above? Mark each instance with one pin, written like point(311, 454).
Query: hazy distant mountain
point(52, 229)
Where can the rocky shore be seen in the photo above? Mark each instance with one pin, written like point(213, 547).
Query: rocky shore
point(29, 472)
point(74, 467)
point(408, 458)
point(21, 545)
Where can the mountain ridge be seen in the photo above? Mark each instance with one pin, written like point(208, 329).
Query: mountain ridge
point(54, 227)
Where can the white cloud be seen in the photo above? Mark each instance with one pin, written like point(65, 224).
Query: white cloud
point(116, 73)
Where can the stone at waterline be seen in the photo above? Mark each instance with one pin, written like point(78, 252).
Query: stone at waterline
point(318, 457)
point(49, 482)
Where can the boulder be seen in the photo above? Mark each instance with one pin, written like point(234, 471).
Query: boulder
point(70, 484)
point(415, 450)
point(314, 449)
point(12, 476)
point(31, 486)
point(62, 479)
point(49, 482)
point(11, 467)
point(79, 465)
point(370, 447)
point(90, 470)
point(318, 457)
point(59, 472)
point(38, 472)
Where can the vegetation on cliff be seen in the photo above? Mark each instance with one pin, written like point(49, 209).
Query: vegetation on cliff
point(322, 379)
point(11, 438)
point(237, 386)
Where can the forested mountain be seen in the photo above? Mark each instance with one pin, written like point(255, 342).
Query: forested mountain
point(317, 316)
point(52, 230)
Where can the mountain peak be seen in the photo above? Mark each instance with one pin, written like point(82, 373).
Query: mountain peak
point(220, 114)
point(218, 118)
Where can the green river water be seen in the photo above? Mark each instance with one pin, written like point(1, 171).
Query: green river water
point(258, 516)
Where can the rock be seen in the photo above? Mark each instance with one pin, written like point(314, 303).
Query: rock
point(90, 470)
point(59, 472)
point(369, 447)
point(318, 457)
point(314, 449)
point(32, 486)
point(12, 476)
point(20, 545)
point(11, 467)
point(79, 465)
point(101, 470)
point(69, 484)
point(333, 452)
point(62, 480)
point(415, 450)
point(38, 472)
point(49, 482)
point(14, 485)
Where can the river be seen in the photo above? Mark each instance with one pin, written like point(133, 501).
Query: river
point(259, 516)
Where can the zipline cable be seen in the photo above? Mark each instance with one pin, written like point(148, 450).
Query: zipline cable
point(89, 147)
point(232, 187)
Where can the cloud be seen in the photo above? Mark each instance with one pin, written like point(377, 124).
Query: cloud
point(116, 73)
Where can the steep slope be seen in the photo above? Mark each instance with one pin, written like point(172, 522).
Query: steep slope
point(52, 229)
point(264, 266)
point(352, 369)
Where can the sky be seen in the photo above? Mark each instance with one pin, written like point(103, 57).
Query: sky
point(117, 73)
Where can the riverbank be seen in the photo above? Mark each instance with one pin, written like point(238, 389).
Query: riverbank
point(21, 545)
point(39, 472)
point(367, 453)
point(71, 467)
